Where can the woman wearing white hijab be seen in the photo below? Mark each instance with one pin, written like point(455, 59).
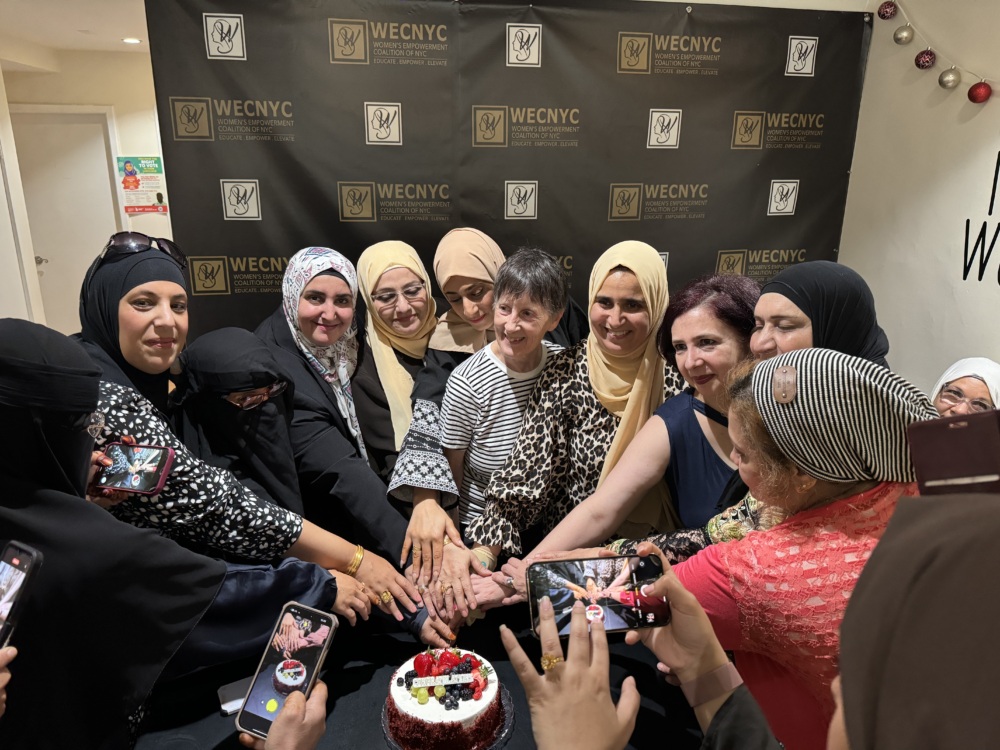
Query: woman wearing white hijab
point(969, 385)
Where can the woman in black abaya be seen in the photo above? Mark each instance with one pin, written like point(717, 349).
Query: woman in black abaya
point(111, 604)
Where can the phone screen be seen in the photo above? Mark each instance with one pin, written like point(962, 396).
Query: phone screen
point(291, 663)
point(16, 565)
point(136, 468)
point(610, 588)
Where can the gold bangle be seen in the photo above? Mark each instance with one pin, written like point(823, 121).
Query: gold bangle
point(359, 555)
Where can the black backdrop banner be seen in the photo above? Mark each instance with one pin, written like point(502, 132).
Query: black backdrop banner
point(721, 135)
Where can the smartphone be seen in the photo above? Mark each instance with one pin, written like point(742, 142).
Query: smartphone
point(610, 587)
point(291, 662)
point(17, 567)
point(142, 469)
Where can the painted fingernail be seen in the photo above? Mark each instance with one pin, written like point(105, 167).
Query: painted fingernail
point(646, 590)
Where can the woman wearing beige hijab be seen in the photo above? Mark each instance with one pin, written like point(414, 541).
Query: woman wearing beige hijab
point(588, 405)
point(395, 288)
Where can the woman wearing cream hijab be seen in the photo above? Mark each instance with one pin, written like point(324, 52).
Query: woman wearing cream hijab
point(588, 405)
point(395, 288)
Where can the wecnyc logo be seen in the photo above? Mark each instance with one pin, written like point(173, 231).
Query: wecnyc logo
point(664, 128)
point(348, 41)
point(634, 53)
point(731, 262)
point(489, 125)
point(224, 38)
point(356, 200)
point(784, 196)
point(524, 45)
point(383, 124)
point(191, 118)
point(748, 130)
point(521, 199)
point(665, 257)
point(240, 200)
point(801, 56)
point(625, 202)
point(209, 274)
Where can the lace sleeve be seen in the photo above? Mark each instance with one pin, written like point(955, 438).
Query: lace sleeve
point(421, 461)
point(678, 546)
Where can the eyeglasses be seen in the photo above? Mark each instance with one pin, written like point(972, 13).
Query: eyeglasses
point(954, 396)
point(253, 399)
point(127, 243)
point(388, 299)
point(94, 424)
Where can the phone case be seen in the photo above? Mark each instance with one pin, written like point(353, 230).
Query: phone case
point(164, 472)
point(334, 623)
point(19, 548)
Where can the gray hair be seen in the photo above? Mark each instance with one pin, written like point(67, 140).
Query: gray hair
point(533, 272)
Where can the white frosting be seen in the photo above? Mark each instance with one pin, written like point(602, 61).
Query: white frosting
point(433, 711)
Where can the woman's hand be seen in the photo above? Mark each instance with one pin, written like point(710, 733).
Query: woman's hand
point(429, 525)
point(299, 725)
point(101, 495)
point(379, 576)
point(6, 657)
point(513, 576)
point(687, 646)
point(352, 597)
point(571, 702)
point(440, 633)
point(489, 595)
point(453, 589)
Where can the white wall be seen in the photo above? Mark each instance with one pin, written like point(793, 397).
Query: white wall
point(923, 164)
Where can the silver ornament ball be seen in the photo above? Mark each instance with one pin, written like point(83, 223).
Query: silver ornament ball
point(949, 79)
point(903, 35)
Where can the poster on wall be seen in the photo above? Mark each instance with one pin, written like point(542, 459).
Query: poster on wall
point(722, 136)
point(143, 187)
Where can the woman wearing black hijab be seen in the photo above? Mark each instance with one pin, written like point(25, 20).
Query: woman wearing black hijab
point(133, 309)
point(111, 604)
point(818, 304)
point(235, 411)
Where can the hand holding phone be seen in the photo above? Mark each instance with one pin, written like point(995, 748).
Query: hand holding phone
point(139, 469)
point(18, 564)
point(291, 663)
point(299, 726)
point(610, 588)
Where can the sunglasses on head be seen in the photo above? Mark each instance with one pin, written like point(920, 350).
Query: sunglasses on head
point(127, 243)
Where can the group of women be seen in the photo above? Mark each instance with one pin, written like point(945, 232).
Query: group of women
point(312, 456)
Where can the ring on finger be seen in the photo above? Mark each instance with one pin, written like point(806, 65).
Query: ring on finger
point(361, 586)
point(385, 596)
point(446, 587)
point(549, 661)
point(509, 583)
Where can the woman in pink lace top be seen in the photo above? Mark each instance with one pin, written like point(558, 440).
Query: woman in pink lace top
point(820, 439)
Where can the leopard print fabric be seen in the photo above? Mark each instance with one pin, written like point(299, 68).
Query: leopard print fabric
point(557, 460)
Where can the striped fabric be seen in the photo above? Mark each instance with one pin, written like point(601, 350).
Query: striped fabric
point(847, 420)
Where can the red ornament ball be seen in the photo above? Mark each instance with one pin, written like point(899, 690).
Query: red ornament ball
point(887, 10)
point(980, 92)
point(925, 59)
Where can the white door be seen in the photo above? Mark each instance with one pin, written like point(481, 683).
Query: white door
point(67, 171)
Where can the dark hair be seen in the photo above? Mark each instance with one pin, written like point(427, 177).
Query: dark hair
point(534, 273)
point(730, 297)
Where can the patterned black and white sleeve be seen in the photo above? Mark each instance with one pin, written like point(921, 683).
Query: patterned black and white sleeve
point(421, 461)
point(199, 503)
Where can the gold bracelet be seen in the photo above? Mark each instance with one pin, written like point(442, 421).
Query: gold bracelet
point(487, 558)
point(359, 555)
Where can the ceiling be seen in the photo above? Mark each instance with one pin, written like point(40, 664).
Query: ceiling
point(45, 25)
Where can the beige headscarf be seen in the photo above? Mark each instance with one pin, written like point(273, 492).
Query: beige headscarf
point(382, 339)
point(474, 255)
point(631, 386)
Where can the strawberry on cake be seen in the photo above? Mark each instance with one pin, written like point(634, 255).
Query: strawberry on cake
point(289, 675)
point(444, 698)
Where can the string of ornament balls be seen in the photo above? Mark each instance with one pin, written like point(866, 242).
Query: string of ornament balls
point(979, 93)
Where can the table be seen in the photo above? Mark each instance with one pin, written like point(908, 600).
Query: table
point(184, 715)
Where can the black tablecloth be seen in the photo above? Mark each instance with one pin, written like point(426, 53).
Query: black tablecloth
point(184, 714)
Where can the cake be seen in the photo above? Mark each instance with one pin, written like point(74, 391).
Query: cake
point(466, 713)
point(289, 675)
